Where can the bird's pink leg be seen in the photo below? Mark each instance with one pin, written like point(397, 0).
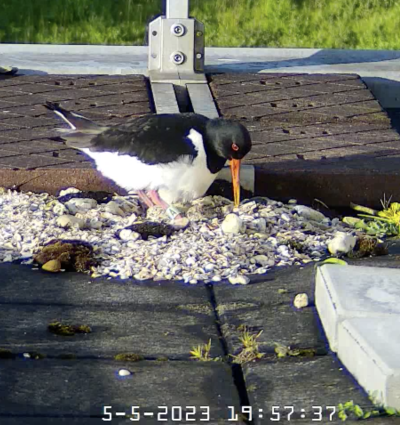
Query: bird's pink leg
point(172, 212)
point(145, 199)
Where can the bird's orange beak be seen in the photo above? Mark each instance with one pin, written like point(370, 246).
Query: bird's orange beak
point(235, 170)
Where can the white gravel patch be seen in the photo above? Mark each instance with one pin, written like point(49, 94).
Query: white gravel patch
point(264, 234)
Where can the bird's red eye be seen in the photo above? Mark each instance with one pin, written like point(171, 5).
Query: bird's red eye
point(235, 147)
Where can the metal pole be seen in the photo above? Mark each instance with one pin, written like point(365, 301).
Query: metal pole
point(177, 9)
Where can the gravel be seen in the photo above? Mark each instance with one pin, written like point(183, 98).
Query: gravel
point(220, 242)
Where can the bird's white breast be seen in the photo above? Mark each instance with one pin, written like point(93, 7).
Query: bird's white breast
point(178, 181)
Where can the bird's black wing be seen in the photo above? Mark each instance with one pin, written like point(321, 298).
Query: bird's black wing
point(152, 138)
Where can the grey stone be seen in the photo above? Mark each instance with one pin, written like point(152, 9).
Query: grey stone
point(68, 221)
point(239, 280)
point(263, 260)
point(80, 205)
point(113, 208)
point(309, 213)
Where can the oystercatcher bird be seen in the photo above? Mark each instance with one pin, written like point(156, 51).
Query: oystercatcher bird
point(165, 158)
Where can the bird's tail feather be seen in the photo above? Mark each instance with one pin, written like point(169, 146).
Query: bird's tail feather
point(81, 131)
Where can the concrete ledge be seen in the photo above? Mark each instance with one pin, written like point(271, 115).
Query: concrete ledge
point(379, 69)
point(369, 349)
point(360, 312)
point(348, 292)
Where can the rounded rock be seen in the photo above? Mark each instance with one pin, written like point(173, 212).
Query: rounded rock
point(128, 235)
point(124, 372)
point(239, 280)
point(300, 300)
point(53, 266)
point(309, 213)
point(342, 243)
point(67, 221)
point(263, 260)
point(232, 224)
point(113, 208)
point(68, 191)
point(80, 205)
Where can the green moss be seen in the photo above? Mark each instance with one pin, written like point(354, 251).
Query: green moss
point(162, 359)
point(73, 255)
point(298, 246)
point(128, 357)
point(251, 388)
point(152, 229)
point(58, 328)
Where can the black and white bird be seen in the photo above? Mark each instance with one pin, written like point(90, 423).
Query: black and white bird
point(165, 158)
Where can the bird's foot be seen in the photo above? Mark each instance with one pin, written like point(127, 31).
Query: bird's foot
point(145, 199)
point(172, 212)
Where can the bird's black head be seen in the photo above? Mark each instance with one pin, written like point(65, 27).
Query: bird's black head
point(229, 139)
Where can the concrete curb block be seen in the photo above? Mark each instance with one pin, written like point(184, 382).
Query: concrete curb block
point(369, 350)
point(360, 311)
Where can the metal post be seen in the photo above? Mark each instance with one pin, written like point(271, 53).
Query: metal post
point(177, 9)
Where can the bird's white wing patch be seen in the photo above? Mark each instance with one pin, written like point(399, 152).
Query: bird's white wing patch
point(65, 119)
point(181, 180)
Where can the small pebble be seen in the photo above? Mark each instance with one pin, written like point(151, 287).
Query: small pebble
point(128, 235)
point(263, 260)
point(67, 221)
point(68, 191)
point(124, 372)
point(80, 205)
point(239, 280)
point(52, 266)
point(300, 300)
point(309, 213)
point(113, 208)
point(342, 243)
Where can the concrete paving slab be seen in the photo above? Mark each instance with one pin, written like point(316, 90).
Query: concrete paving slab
point(369, 348)
point(349, 291)
point(152, 332)
point(83, 388)
point(307, 386)
point(153, 320)
point(267, 305)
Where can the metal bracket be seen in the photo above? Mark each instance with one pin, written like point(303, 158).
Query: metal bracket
point(176, 46)
point(176, 58)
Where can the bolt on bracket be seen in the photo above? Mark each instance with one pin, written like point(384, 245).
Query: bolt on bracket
point(176, 46)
